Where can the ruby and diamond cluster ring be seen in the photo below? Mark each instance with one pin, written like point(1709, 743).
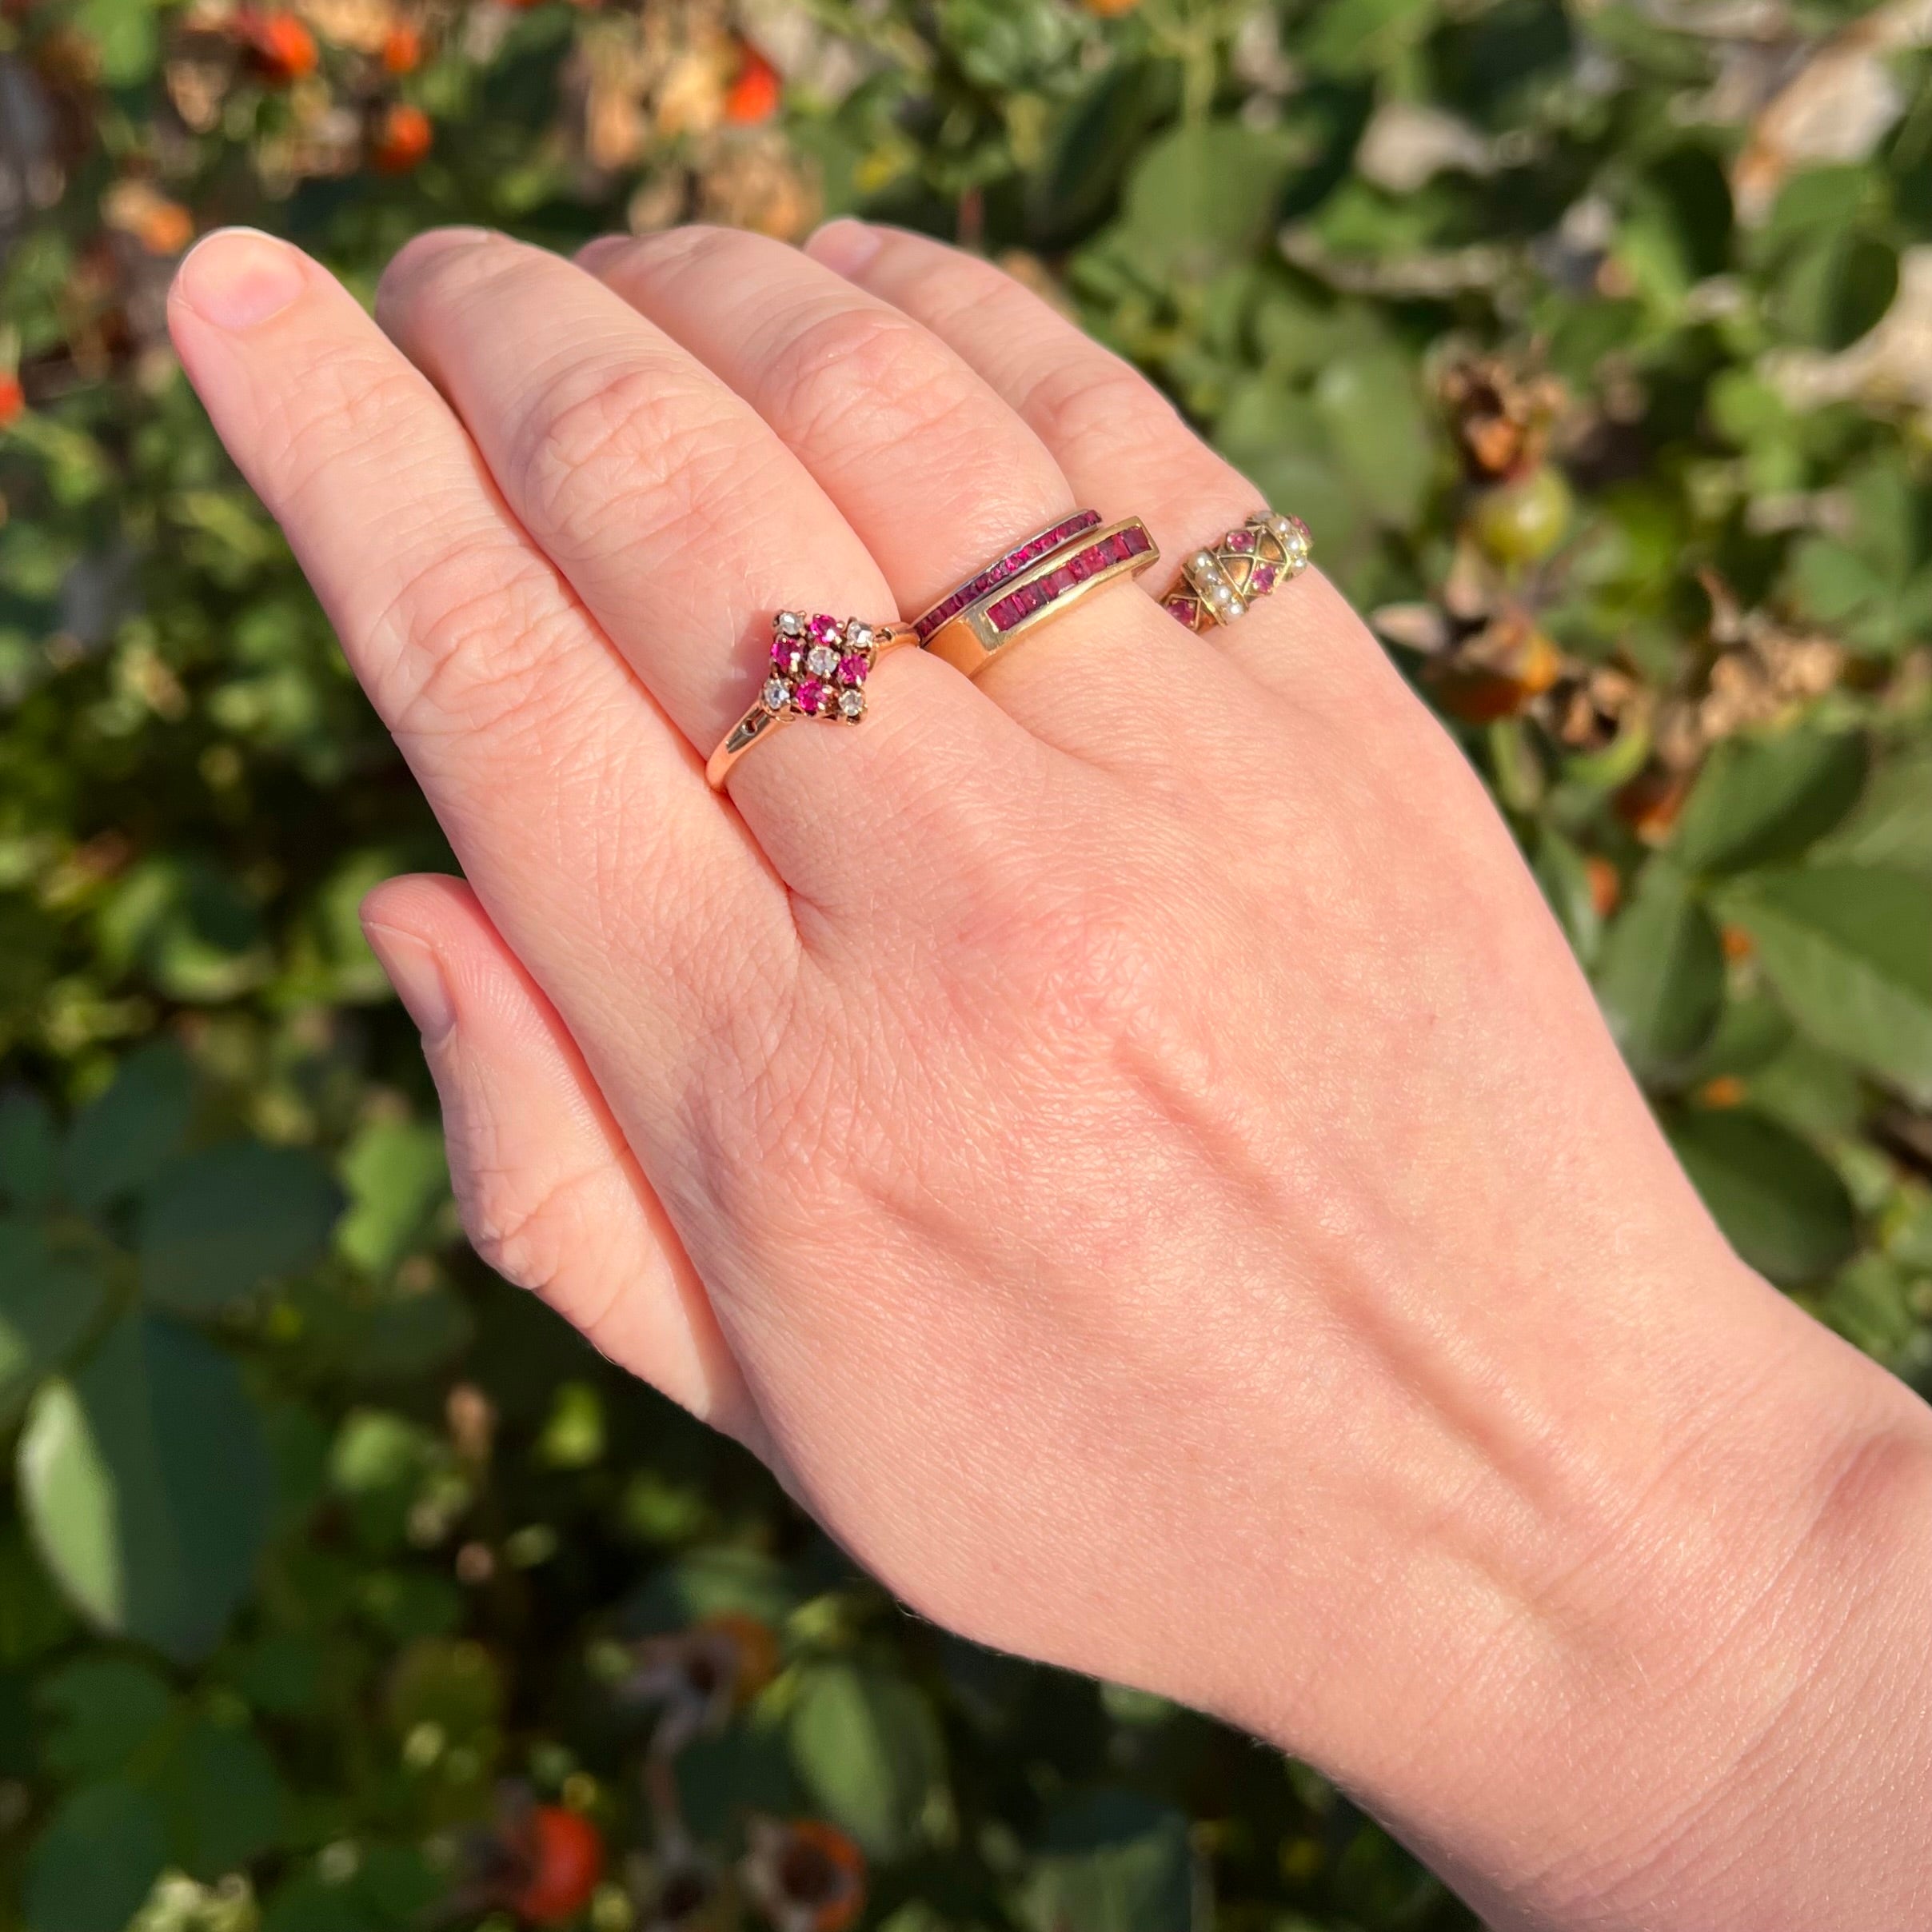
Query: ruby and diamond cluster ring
point(820, 664)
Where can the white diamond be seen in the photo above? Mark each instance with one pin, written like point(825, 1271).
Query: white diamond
point(776, 692)
point(851, 703)
point(821, 661)
point(859, 636)
point(790, 623)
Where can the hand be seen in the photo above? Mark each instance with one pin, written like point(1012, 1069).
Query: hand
point(1123, 1138)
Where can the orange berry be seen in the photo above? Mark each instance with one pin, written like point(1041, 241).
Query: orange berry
point(1738, 944)
point(565, 1851)
point(13, 400)
point(1726, 1090)
point(401, 49)
point(1649, 804)
point(166, 228)
point(1110, 9)
point(281, 48)
point(754, 95)
point(402, 140)
point(1606, 884)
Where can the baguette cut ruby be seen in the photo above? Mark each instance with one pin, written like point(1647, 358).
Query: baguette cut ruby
point(1005, 614)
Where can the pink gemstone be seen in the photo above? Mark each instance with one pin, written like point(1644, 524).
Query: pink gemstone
point(811, 694)
point(1241, 539)
point(1007, 612)
point(1113, 550)
point(1263, 580)
point(823, 628)
point(1081, 566)
point(1027, 597)
point(1060, 582)
point(781, 652)
point(853, 668)
point(1185, 609)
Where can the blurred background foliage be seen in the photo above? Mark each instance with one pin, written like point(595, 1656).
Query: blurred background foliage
point(342, 1589)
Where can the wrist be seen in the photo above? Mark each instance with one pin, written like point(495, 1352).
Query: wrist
point(1640, 1692)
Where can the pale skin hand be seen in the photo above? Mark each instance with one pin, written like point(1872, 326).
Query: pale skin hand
point(1124, 1138)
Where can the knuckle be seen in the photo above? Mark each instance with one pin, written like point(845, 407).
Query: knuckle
point(528, 1227)
point(343, 405)
point(1077, 397)
point(602, 458)
point(847, 365)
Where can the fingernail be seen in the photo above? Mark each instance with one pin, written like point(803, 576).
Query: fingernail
point(592, 253)
point(418, 977)
point(237, 278)
point(844, 246)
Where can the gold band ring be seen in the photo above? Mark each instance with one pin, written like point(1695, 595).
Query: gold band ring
point(1029, 549)
point(818, 669)
point(1216, 585)
point(970, 638)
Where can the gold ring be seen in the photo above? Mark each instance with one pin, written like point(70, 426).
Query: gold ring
point(818, 669)
point(1216, 585)
point(971, 637)
point(1029, 549)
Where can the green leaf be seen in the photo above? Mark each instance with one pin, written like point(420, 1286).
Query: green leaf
point(222, 1798)
point(866, 1748)
point(1200, 197)
point(1563, 873)
point(119, 1143)
point(146, 1486)
point(397, 1177)
point(1092, 147)
point(1661, 974)
point(1781, 1206)
point(1113, 1861)
point(1370, 408)
point(220, 1224)
point(1762, 799)
point(29, 1150)
point(96, 1861)
point(1848, 950)
point(102, 1711)
point(1892, 825)
point(47, 1302)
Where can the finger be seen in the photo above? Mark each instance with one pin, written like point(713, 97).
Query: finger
point(1121, 444)
point(551, 1195)
point(541, 754)
point(927, 465)
point(683, 522)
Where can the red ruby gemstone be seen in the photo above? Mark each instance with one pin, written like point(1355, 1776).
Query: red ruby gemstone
point(851, 668)
point(781, 652)
point(1006, 613)
point(1186, 609)
point(1241, 539)
point(1060, 582)
point(823, 628)
point(1081, 567)
point(1263, 580)
point(1136, 540)
point(811, 694)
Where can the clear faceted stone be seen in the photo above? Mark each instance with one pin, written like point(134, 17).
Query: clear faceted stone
point(790, 623)
point(859, 636)
point(821, 661)
point(776, 693)
point(851, 703)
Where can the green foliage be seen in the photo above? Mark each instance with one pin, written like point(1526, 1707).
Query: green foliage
point(1595, 394)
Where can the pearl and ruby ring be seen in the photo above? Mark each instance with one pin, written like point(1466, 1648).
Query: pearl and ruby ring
point(1216, 585)
point(817, 668)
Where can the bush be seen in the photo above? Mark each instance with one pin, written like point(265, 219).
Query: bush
point(340, 1583)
